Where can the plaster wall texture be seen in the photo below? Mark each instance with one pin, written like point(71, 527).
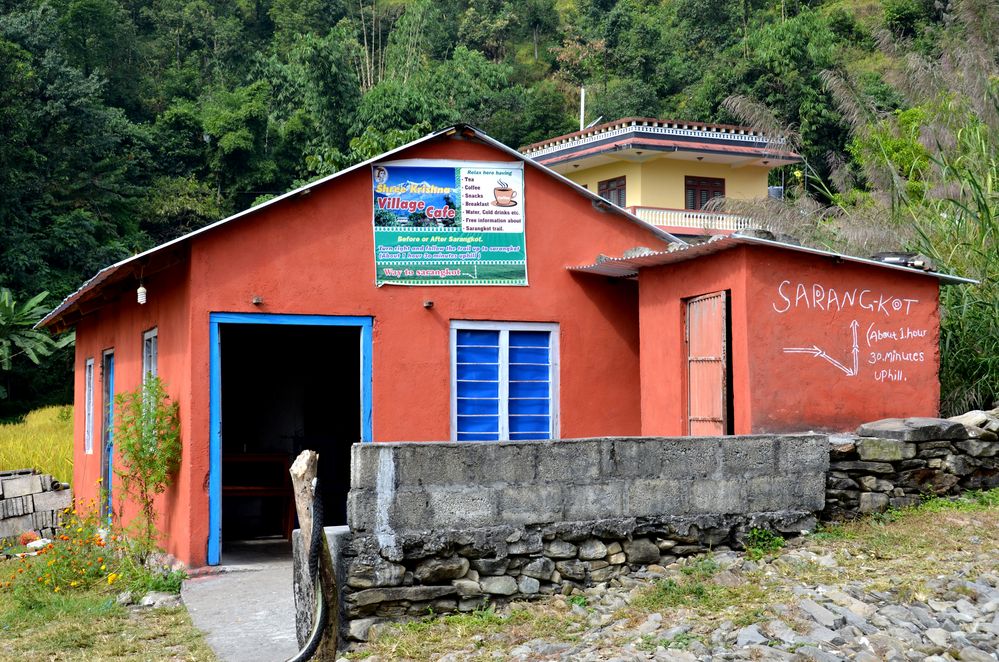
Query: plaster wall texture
point(466, 486)
point(800, 301)
point(792, 339)
point(314, 255)
point(119, 326)
point(659, 182)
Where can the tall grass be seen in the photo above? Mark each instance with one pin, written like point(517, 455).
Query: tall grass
point(43, 441)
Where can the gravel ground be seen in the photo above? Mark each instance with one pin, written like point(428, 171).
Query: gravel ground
point(827, 622)
point(868, 601)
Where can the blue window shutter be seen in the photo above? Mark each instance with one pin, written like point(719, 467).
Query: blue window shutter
point(529, 405)
point(503, 384)
point(477, 368)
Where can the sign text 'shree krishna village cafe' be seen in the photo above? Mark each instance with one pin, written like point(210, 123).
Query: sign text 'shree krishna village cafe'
point(456, 289)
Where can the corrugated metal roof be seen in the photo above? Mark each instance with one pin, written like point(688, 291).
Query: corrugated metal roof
point(625, 267)
point(105, 273)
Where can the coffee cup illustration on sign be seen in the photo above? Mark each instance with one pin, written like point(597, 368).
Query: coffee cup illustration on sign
point(504, 195)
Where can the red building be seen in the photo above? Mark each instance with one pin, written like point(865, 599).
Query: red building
point(455, 290)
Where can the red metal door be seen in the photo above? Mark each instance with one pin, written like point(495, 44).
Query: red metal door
point(707, 374)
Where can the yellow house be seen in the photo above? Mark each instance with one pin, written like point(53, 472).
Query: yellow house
point(665, 171)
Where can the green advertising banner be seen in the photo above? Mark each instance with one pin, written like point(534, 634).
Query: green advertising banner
point(449, 223)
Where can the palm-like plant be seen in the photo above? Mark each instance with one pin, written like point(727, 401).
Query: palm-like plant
point(18, 335)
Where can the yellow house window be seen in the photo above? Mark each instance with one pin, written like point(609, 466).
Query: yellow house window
point(612, 190)
point(700, 190)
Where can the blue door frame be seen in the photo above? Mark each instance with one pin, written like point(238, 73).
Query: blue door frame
point(364, 324)
point(107, 429)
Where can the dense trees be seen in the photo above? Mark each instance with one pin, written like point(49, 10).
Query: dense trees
point(127, 122)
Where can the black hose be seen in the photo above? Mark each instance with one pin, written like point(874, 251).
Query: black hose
point(315, 548)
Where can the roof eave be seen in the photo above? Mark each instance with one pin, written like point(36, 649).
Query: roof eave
point(621, 267)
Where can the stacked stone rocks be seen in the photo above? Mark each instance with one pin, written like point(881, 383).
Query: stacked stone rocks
point(476, 568)
point(30, 501)
point(894, 463)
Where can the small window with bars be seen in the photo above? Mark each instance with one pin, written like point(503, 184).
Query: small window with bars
point(612, 190)
point(504, 381)
point(701, 190)
point(150, 353)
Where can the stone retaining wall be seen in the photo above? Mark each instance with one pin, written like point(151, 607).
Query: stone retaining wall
point(447, 527)
point(30, 501)
point(894, 463)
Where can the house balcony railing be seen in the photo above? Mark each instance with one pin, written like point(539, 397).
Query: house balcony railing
point(691, 218)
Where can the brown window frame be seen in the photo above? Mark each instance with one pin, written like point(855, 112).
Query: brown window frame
point(703, 189)
point(613, 190)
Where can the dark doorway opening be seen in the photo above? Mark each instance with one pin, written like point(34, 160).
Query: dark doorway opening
point(285, 388)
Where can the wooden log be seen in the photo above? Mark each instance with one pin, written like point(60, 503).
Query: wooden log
point(303, 474)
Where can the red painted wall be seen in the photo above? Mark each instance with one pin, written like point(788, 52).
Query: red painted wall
point(780, 300)
point(315, 255)
point(120, 326)
point(663, 359)
point(802, 301)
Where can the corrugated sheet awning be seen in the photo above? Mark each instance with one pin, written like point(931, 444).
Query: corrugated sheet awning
point(627, 267)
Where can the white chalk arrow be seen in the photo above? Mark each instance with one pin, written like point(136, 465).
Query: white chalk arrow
point(856, 347)
point(818, 352)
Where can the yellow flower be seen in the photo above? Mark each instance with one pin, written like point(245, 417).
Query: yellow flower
point(55, 590)
point(103, 568)
point(112, 578)
point(74, 583)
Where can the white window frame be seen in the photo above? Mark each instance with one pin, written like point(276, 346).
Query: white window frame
point(149, 363)
point(504, 370)
point(88, 407)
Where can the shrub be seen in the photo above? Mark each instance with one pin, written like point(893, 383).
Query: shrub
point(148, 439)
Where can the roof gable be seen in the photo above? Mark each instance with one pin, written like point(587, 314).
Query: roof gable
point(57, 319)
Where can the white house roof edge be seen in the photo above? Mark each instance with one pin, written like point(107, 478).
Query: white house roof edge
point(106, 272)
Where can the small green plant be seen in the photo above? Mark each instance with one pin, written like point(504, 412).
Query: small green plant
point(577, 600)
point(147, 436)
point(668, 593)
point(681, 641)
point(887, 517)
point(701, 568)
point(161, 580)
point(830, 532)
point(761, 542)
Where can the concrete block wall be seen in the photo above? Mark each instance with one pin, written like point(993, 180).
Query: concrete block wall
point(406, 487)
point(30, 501)
point(449, 527)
